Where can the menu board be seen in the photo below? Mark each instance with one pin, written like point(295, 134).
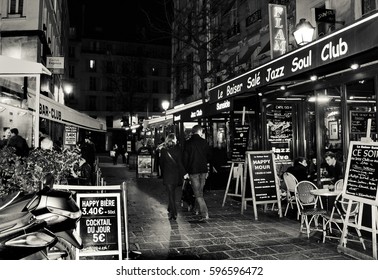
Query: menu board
point(361, 176)
point(240, 143)
point(358, 122)
point(263, 177)
point(100, 226)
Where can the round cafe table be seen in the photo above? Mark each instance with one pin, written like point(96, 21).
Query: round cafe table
point(326, 193)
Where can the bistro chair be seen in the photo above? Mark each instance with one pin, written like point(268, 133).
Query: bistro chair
point(290, 182)
point(337, 218)
point(308, 207)
point(339, 184)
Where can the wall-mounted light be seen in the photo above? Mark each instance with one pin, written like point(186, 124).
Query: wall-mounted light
point(355, 66)
point(165, 105)
point(260, 94)
point(304, 32)
point(283, 87)
point(313, 78)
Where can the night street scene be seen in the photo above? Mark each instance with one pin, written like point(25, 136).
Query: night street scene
point(188, 131)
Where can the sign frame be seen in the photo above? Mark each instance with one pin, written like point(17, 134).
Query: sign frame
point(250, 165)
point(104, 253)
point(346, 193)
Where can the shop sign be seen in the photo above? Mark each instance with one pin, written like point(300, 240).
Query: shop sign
point(325, 15)
point(278, 30)
point(344, 43)
point(100, 226)
point(358, 122)
point(50, 112)
point(70, 136)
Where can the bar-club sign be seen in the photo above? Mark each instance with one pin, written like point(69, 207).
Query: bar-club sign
point(356, 38)
point(278, 30)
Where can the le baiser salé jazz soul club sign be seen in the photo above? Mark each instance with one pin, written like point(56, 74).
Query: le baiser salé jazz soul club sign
point(327, 50)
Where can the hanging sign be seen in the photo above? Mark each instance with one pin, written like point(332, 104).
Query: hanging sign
point(278, 30)
point(100, 226)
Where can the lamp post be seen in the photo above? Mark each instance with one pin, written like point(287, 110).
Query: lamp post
point(304, 32)
point(165, 105)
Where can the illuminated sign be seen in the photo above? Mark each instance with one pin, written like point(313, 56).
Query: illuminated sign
point(278, 30)
point(340, 45)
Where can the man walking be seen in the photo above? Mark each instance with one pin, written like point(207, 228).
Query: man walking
point(196, 156)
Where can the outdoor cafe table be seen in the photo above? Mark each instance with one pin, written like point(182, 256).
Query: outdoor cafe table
point(326, 193)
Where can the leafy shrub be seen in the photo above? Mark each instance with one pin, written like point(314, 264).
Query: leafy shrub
point(27, 174)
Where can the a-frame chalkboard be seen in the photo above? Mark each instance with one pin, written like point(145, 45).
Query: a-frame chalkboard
point(361, 185)
point(263, 179)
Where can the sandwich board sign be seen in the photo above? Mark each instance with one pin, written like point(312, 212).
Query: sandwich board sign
point(361, 185)
point(100, 226)
point(263, 179)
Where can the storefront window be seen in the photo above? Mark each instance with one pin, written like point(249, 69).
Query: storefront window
point(361, 107)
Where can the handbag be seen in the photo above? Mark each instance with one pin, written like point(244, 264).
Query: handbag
point(112, 153)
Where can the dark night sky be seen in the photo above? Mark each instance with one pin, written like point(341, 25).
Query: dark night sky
point(120, 19)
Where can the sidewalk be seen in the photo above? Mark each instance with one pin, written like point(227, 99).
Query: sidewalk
point(227, 235)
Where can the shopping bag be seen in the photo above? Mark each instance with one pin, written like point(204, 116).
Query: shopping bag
point(112, 153)
point(187, 195)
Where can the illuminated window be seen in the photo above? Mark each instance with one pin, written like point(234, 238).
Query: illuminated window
point(92, 65)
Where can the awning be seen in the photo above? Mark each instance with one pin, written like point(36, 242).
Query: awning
point(157, 122)
point(14, 66)
point(248, 53)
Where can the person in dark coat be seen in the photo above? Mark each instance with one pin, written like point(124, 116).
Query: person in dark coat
point(17, 141)
point(334, 167)
point(299, 169)
point(173, 171)
point(197, 155)
point(88, 151)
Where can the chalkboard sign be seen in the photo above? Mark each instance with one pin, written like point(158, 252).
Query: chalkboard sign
point(240, 143)
point(263, 178)
point(100, 226)
point(358, 122)
point(361, 176)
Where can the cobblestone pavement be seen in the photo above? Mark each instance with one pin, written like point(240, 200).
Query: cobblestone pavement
point(228, 234)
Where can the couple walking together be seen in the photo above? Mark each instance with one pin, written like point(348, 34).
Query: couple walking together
point(192, 164)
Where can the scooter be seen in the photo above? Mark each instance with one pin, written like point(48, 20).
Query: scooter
point(22, 236)
point(57, 209)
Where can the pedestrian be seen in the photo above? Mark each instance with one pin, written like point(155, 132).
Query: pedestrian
point(115, 153)
point(18, 142)
point(88, 151)
point(173, 171)
point(197, 155)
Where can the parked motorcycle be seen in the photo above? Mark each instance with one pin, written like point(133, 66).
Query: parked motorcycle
point(57, 212)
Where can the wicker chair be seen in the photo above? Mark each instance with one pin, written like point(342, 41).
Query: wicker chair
point(337, 218)
point(308, 207)
point(290, 182)
point(339, 184)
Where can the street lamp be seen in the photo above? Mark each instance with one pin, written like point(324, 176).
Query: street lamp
point(304, 32)
point(165, 105)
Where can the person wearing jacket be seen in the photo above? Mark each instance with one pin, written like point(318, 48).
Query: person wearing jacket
point(172, 170)
point(197, 155)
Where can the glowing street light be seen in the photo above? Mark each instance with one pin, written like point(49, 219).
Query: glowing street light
point(165, 105)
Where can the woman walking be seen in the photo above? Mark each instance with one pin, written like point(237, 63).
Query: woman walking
point(172, 170)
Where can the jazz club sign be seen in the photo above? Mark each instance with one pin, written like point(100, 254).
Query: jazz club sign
point(278, 30)
point(357, 38)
